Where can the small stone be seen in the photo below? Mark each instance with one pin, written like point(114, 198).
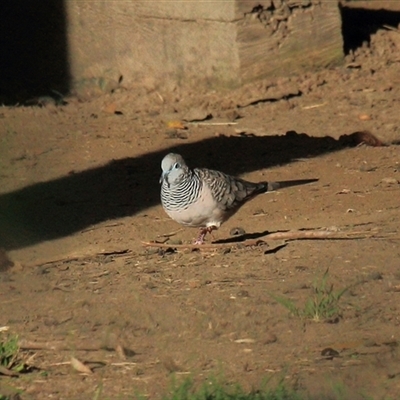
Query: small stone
point(237, 231)
point(149, 285)
point(152, 250)
point(367, 168)
point(329, 353)
point(197, 114)
point(231, 115)
point(174, 241)
point(194, 284)
point(390, 181)
point(375, 276)
point(175, 134)
point(270, 338)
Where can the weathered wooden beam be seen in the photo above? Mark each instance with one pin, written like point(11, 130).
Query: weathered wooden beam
point(209, 43)
point(289, 37)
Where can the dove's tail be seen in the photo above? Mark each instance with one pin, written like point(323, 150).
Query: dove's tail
point(271, 186)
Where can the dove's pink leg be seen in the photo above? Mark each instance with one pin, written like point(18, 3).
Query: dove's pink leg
point(203, 232)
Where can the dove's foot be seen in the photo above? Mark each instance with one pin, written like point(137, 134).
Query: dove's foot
point(202, 234)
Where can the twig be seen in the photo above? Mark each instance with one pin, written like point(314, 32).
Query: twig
point(92, 228)
point(59, 346)
point(122, 364)
point(317, 235)
point(59, 363)
point(251, 242)
point(69, 258)
point(160, 97)
point(168, 235)
point(213, 123)
point(390, 28)
point(7, 372)
point(289, 235)
point(115, 364)
point(314, 106)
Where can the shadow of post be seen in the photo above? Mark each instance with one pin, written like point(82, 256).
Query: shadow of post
point(125, 187)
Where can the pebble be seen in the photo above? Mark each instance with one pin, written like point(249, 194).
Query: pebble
point(270, 338)
point(175, 241)
point(367, 168)
point(237, 231)
point(390, 181)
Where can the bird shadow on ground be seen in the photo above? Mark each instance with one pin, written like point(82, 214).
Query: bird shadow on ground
point(242, 237)
point(124, 187)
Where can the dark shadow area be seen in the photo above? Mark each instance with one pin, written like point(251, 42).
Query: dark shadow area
point(129, 186)
point(242, 238)
point(358, 24)
point(34, 50)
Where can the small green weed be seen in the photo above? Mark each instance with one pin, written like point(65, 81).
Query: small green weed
point(323, 305)
point(216, 391)
point(10, 356)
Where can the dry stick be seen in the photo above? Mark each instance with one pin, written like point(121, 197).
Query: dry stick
point(114, 364)
point(212, 123)
point(199, 246)
point(293, 235)
point(247, 243)
point(5, 371)
point(314, 106)
point(92, 228)
point(122, 364)
point(116, 253)
point(170, 234)
point(59, 346)
point(290, 235)
point(391, 28)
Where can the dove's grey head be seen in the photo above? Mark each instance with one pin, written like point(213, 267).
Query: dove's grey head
point(174, 169)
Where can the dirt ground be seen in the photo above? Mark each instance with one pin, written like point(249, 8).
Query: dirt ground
point(79, 193)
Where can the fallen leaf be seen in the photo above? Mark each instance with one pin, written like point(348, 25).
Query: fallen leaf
point(120, 352)
point(80, 366)
point(247, 341)
point(176, 125)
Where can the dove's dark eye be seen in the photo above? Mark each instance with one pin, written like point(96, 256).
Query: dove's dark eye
point(177, 165)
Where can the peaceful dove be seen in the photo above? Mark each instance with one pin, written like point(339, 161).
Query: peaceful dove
point(206, 198)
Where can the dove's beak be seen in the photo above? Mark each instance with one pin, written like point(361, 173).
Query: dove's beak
point(163, 176)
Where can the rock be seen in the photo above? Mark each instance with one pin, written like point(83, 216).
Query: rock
point(270, 338)
point(237, 231)
point(5, 262)
point(390, 181)
point(197, 114)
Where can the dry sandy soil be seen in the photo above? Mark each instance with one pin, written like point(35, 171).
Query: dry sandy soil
point(79, 193)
